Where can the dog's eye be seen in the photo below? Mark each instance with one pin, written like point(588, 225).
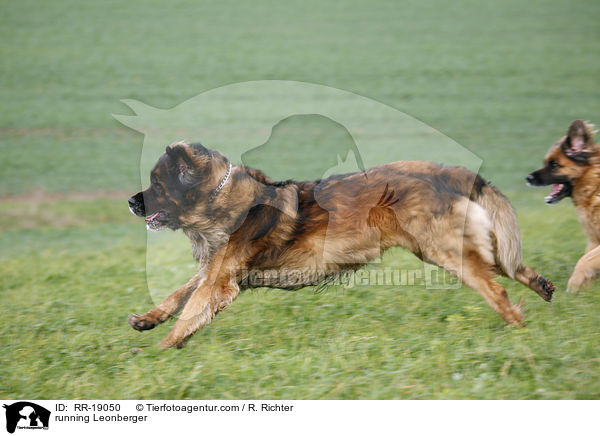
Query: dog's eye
point(553, 164)
point(159, 189)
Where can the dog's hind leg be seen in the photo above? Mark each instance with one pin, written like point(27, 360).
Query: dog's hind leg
point(479, 277)
point(534, 280)
point(170, 306)
point(478, 274)
point(465, 249)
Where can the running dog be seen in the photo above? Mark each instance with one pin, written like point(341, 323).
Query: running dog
point(292, 234)
point(572, 167)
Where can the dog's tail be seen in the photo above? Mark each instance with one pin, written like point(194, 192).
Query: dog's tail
point(505, 227)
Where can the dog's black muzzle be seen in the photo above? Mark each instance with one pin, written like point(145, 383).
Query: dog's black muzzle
point(531, 180)
point(544, 177)
point(136, 205)
point(538, 178)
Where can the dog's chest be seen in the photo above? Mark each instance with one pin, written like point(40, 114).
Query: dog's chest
point(589, 217)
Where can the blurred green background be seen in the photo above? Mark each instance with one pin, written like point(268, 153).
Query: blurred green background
point(501, 78)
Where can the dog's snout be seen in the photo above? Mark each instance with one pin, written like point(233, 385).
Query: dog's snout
point(136, 204)
point(530, 178)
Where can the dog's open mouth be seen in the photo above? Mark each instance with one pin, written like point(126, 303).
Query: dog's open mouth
point(559, 191)
point(156, 221)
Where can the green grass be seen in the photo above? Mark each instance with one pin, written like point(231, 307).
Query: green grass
point(502, 79)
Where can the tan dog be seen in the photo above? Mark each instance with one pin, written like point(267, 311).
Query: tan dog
point(292, 234)
point(572, 166)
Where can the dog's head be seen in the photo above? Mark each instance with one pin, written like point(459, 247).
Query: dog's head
point(566, 162)
point(184, 180)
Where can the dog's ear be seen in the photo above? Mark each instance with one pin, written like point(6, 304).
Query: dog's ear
point(182, 161)
point(579, 142)
point(579, 136)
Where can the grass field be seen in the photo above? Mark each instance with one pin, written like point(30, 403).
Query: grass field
point(503, 79)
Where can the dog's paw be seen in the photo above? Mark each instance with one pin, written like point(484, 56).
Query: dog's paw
point(577, 282)
point(573, 286)
point(141, 322)
point(170, 342)
point(546, 287)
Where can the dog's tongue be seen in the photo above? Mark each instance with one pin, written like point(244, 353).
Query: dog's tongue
point(555, 190)
point(152, 217)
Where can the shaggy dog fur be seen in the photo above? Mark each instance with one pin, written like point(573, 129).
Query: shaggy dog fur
point(296, 234)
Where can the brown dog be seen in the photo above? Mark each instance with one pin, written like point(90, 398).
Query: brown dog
point(572, 166)
point(293, 234)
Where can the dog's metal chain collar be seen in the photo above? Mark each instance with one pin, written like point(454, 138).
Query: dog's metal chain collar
point(225, 179)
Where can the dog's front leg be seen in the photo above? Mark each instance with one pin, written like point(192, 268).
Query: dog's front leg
point(586, 270)
point(200, 309)
point(169, 306)
point(215, 293)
